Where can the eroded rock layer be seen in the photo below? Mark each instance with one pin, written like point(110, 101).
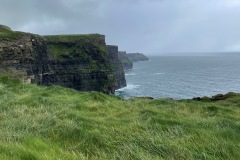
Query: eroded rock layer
point(117, 66)
point(81, 62)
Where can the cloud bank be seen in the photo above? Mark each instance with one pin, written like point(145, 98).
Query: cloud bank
point(149, 26)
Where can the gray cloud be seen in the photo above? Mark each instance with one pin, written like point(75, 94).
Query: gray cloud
point(150, 26)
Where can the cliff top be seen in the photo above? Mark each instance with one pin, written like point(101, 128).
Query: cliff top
point(135, 57)
point(7, 34)
point(75, 45)
point(75, 37)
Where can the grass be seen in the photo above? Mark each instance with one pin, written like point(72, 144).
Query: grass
point(58, 123)
point(86, 48)
point(7, 35)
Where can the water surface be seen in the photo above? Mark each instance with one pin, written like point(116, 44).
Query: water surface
point(183, 77)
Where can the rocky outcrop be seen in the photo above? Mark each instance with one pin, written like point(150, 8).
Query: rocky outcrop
point(22, 55)
point(127, 63)
point(218, 97)
point(117, 65)
point(81, 62)
point(136, 57)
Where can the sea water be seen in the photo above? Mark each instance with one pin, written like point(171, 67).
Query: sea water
point(182, 77)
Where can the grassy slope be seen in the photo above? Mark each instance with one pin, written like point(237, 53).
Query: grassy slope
point(6, 35)
point(58, 123)
point(79, 41)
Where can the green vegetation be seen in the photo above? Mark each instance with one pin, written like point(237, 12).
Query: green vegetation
point(88, 48)
point(12, 72)
point(74, 38)
point(6, 34)
point(58, 123)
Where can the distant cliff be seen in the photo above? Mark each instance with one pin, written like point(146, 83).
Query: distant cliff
point(127, 63)
point(81, 62)
point(117, 65)
point(136, 57)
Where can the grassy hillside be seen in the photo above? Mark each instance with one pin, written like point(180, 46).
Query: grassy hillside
point(58, 123)
point(7, 35)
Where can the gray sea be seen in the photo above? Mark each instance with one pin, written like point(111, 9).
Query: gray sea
point(182, 77)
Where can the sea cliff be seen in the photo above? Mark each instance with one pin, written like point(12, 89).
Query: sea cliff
point(127, 63)
point(136, 57)
point(117, 66)
point(82, 62)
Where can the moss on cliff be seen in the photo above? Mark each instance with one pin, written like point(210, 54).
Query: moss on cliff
point(84, 61)
point(6, 34)
point(82, 40)
point(81, 48)
point(75, 61)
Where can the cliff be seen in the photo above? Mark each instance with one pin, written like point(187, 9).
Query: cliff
point(81, 62)
point(22, 55)
point(127, 63)
point(136, 57)
point(117, 66)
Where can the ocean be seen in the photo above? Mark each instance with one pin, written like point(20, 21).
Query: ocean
point(182, 77)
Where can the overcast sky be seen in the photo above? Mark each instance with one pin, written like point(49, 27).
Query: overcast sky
point(148, 26)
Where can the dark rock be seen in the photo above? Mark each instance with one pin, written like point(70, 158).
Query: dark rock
point(81, 62)
point(217, 97)
point(117, 66)
point(22, 56)
point(196, 99)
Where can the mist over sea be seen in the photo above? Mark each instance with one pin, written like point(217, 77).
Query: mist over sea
point(182, 77)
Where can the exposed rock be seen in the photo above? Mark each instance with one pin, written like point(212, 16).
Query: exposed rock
point(117, 65)
point(136, 57)
point(217, 97)
point(22, 55)
point(81, 62)
point(127, 63)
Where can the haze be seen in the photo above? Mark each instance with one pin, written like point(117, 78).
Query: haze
point(149, 26)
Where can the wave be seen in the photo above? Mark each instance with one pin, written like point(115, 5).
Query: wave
point(160, 73)
point(129, 87)
point(130, 74)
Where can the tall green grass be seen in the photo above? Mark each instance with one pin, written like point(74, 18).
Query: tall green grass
point(57, 123)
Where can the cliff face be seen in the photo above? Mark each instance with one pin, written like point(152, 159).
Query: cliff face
point(117, 66)
point(136, 57)
point(22, 55)
point(81, 62)
point(127, 63)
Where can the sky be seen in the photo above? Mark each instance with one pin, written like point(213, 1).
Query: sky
point(181, 27)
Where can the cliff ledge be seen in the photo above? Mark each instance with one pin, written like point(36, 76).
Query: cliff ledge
point(81, 62)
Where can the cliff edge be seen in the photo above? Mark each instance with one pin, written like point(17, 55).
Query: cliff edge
point(117, 66)
point(136, 57)
point(81, 62)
